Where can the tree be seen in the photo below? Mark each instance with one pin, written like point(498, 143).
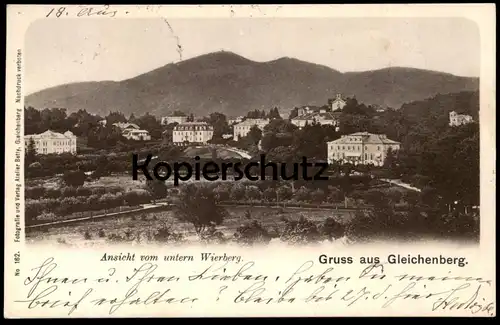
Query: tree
point(151, 124)
point(158, 189)
point(197, 205)
point(219, 122)
point(115, 117)
point(274, 113)
point(190, 118)
point(252, 233)
point(74, 178)
point(256, 114)
point(237, 192)
point(318, 196)
point(302, 194)
point(31, 154)
point(252, 193)
point(345, 183)
point(132, 118)
point(331, 229)
point(390, 159)
point(254, 135)
point(294, 113)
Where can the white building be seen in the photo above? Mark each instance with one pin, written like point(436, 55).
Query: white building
point(361, 148)
point(134, 134)
point(459, 119)
point(173, 119)
point(308, 115)
point(192, 132)
point(52, 142)
point(235, 120)
point(241, 129)
point(338, 103)
point(126, 125)
point(132, 131)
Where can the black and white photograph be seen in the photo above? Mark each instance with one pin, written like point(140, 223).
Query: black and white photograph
point(249, 131)
point(250, 161)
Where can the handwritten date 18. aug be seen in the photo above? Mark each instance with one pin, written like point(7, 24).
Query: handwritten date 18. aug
point(85, 11)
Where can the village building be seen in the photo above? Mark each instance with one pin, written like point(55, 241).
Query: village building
point(309, 115)
point(138, 135)
point(125, 125)
point(337, 103)
point(173, 119)
point(50, 142)
point(235, 120)
point(243, 128)
point(192, 133)
point(361, 148)
point(132, 131)
point(459, 119)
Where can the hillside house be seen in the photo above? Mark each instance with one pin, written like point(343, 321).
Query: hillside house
point(459, 119)
point(242, 129)
point(361, 148)
point(52, 142)
point(192, 133)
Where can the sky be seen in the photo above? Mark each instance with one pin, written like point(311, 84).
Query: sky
point(73, 50)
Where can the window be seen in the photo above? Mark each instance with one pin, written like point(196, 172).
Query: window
point(366, 147)
point(371, 156)
point(378, 148)
point(366, 156)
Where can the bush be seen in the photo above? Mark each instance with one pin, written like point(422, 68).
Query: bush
point(300, 231)
point(166, 235)
point(302, 194)
point(35, 192)
point(252, 233)
point(74, 178)
point(211, 235)
point(331, 229)
point(48, 217)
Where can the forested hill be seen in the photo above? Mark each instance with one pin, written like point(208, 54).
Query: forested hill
point(231, 84)
point(439, 106)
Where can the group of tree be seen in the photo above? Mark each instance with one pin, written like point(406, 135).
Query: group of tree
point(84, 124)
point(272, 114)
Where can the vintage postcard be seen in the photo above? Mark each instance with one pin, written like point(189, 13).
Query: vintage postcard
point(295, 160)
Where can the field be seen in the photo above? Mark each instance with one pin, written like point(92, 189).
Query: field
point(141, 224)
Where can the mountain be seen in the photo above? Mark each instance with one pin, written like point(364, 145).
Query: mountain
point(233, 85)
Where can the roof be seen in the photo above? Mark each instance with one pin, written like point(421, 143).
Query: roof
point(52, 135)
point(313, 115)
point(126, 125)
point(137, 131)
point(368, 138)
point(189, 125)
point(252, 121)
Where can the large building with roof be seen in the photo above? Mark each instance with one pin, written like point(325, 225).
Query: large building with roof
point(192, 132)
point(50, 142)
point(132, 131)
point(361, 148)
point(241, 129)
point(309, 115)
point(325, 115)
